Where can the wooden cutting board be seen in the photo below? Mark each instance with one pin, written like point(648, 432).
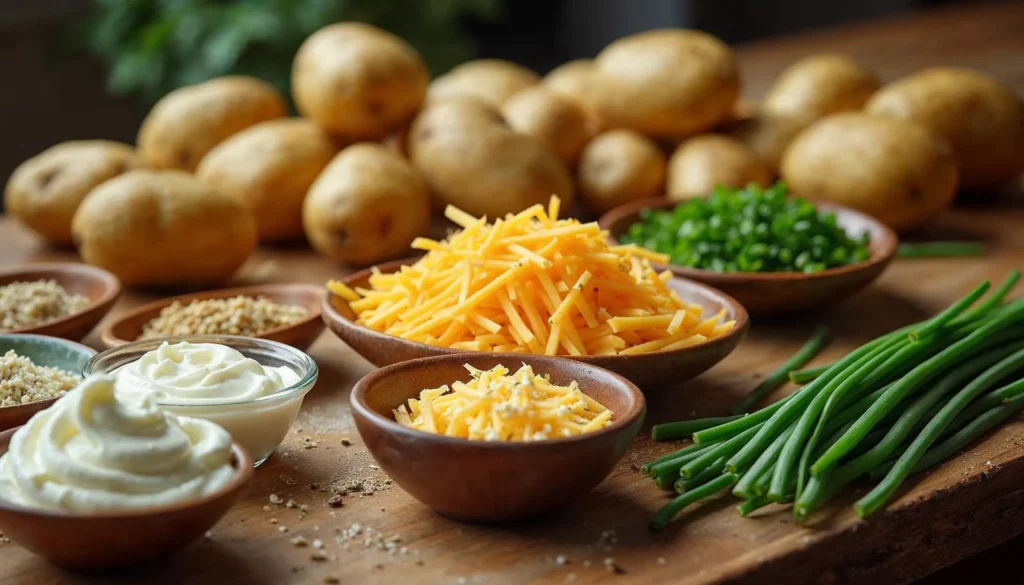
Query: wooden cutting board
point(972, 502)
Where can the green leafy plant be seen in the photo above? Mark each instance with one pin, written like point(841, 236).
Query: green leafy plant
point(154, 46)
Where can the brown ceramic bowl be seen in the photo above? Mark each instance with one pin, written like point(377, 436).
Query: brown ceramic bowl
point(481, 481)
point(768, 293)
point(99, 286)
point(301, 335)
point(651, 371)
point(52, 352)
point(110, 540)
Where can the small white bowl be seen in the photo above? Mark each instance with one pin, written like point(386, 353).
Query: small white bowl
point(258, 425)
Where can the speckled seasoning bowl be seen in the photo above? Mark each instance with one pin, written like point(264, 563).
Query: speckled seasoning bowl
point(128, 327)
point(99, 286)
point(52, 352)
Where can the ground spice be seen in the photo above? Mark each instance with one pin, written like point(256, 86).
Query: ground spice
point(241, 315)
point(27, 304)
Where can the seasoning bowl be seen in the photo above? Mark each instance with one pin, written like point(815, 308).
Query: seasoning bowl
point(128, 327)
point(108, 540)
point(653, 371)
point(52, 352)
point(260, 424)
point(99, 286)
point(489, 481)
point(769, 293)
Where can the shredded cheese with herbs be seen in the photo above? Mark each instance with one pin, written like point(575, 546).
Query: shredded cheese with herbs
point(532, 283)
point(496, 406)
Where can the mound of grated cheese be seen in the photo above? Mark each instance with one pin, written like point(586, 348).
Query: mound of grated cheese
point(496, 406)
point(531, 283)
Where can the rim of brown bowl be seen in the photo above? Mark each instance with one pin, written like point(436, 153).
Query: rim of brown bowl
point(111, 336)
point(883, 249)
point(733, 337)
point(99, 306)
point(23, 412)
point(357, 399)
point(240, 460)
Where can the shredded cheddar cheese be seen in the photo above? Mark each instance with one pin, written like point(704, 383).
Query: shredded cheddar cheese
point(496, 406)
point(532, 283)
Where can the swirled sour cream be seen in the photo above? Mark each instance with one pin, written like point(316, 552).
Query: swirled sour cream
point(217, 383)
point(93, 451)
point(201, 373)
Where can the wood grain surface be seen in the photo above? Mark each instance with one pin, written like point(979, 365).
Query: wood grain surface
point(967, 505)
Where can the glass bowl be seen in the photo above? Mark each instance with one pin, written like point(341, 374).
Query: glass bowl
point(258, 425)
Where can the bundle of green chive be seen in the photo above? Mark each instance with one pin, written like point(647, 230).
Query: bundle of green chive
point(891, 408)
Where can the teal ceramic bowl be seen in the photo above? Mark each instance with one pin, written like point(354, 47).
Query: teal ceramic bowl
point(52, 352)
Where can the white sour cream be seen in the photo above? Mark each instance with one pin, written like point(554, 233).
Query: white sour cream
point(219, 384)
point(201, 373)
point(93, 451)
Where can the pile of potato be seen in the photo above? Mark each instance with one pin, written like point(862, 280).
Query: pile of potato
point(220, 166)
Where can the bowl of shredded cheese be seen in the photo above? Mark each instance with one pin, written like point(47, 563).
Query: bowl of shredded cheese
point(534, 284)
point(494, 437)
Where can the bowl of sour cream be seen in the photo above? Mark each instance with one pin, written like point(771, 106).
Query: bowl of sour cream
point(251, 387)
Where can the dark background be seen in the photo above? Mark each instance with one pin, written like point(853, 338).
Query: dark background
point(46, 100)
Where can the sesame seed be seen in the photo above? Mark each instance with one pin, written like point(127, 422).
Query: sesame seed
point(276, 499)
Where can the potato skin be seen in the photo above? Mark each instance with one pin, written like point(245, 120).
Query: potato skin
point(163, 228)
point(557, 121)
point(490, 80)
point(367, 206)
point(44, 191)
point(571, 79)
point(619, 166)
point(270, 166)
point(188, 122)
point(707, 161)
point(767, 135)
point(886, 167)
point(982, 119)
point(357, 80)
point(688, 82)
point(819, 85)
point(471, 159)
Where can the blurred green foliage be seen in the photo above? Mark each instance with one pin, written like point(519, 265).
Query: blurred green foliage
point(154, 46)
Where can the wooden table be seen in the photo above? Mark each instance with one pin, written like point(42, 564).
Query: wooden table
point(969, 504)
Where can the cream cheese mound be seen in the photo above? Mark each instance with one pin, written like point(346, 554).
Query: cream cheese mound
point(93, 451)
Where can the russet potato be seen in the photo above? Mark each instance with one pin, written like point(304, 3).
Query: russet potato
point(152, 227)
point(367, 206)
point(188, 122)
point(892, 169)
point(44, 191)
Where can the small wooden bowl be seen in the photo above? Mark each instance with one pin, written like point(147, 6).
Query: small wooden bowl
point(52, 352)
point(110, 540)
point(767, 293)
point(481, 481)
point(651, 371)
point(301, 335)
point(99, 286)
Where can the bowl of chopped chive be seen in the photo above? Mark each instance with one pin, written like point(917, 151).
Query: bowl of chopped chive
point(771, 252)
point(286, 313)
point(545, 430)
point(56, 299)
